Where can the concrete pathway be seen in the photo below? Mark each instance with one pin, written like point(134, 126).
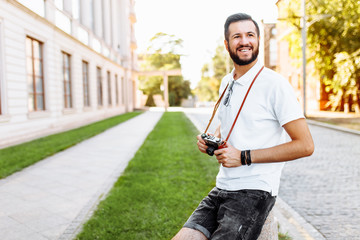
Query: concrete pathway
point(52, 198)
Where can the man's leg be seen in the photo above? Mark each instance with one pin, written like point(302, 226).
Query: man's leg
point(202, 221)
point(242, 214)
point(268, 232)
point(189, 234)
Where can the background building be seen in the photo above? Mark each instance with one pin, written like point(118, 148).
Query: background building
point(291, 68)
point(270, 45)
point(63, 64)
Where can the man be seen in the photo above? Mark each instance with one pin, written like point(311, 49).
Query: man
point(253, 157)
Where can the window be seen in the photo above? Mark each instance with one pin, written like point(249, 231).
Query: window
point(87, 13)
point(35, 74)
point(99, 86)
point(75, 9)
point(0, 100)
point(67, 80)
point(109, 87)
point(85, 73)
point(1, 70)
point(122, 90)
point(37, 6)
point(59, 4)
point(117, 89)
point(104, 29)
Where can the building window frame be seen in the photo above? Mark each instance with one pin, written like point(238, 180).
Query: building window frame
point(35, 74)
point(99, 86)
point(1, 71)
point(108, 77)
point(85, 78)
point(123, 90)
point(117, 89)
point(66, 70)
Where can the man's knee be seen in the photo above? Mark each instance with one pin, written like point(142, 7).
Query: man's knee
point(189, 234)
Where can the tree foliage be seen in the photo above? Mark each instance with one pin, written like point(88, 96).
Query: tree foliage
point(333, 45)
point(164, 53)
point(211, 75)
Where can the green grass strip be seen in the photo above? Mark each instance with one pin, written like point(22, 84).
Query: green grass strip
point(17, 157)
point(162, 185)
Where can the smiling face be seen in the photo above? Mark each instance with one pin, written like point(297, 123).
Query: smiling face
point(243, 42)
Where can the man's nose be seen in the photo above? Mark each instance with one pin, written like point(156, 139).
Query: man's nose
point(244, 40)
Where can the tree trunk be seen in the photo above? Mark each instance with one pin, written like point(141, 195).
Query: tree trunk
point(356, 103)
point(346, 104)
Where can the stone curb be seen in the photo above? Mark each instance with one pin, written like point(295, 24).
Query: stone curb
point(334, 127)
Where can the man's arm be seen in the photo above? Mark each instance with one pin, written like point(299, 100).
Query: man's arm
point(301, 145)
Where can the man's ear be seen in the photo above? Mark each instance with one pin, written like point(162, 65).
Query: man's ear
point(226, 45)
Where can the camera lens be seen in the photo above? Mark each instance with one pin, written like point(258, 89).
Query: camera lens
point(210, 151)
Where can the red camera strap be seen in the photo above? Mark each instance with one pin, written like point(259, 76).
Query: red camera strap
point(242, 104)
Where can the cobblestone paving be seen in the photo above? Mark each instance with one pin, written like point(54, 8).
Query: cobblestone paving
point(325, 188)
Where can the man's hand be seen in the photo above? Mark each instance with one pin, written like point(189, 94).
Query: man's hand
point(228, 156)
point(201, 144)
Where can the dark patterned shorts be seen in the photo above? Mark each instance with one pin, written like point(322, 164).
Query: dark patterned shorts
point(232, 215)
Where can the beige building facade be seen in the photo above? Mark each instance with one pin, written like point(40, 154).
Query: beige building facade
point(277, 57)
point(64, 64)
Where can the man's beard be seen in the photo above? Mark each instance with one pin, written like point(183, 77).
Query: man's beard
point(241, 62)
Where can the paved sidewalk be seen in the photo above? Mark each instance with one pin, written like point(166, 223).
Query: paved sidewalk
point(52, 198)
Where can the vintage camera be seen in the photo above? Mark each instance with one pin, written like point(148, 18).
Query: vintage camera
point(212, 142)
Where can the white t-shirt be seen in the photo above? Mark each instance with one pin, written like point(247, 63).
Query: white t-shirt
point(271, 103)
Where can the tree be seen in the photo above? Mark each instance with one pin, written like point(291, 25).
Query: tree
point(211, 75)
point(333, 44)
point(164, 53)
point(346, 83)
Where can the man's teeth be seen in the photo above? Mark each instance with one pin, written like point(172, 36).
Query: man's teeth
point(244, 50)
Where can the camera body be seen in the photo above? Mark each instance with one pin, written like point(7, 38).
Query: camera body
point(212, 142)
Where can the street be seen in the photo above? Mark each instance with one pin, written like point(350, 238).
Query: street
point(324, 188)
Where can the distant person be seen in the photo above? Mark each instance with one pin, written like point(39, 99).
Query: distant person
point(253, 157)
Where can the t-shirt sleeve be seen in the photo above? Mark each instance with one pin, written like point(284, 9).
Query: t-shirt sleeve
point(286, 107)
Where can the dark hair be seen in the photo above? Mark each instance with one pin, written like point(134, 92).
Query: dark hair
point(236, 18)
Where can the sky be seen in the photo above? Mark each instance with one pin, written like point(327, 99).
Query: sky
point(199, 23)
